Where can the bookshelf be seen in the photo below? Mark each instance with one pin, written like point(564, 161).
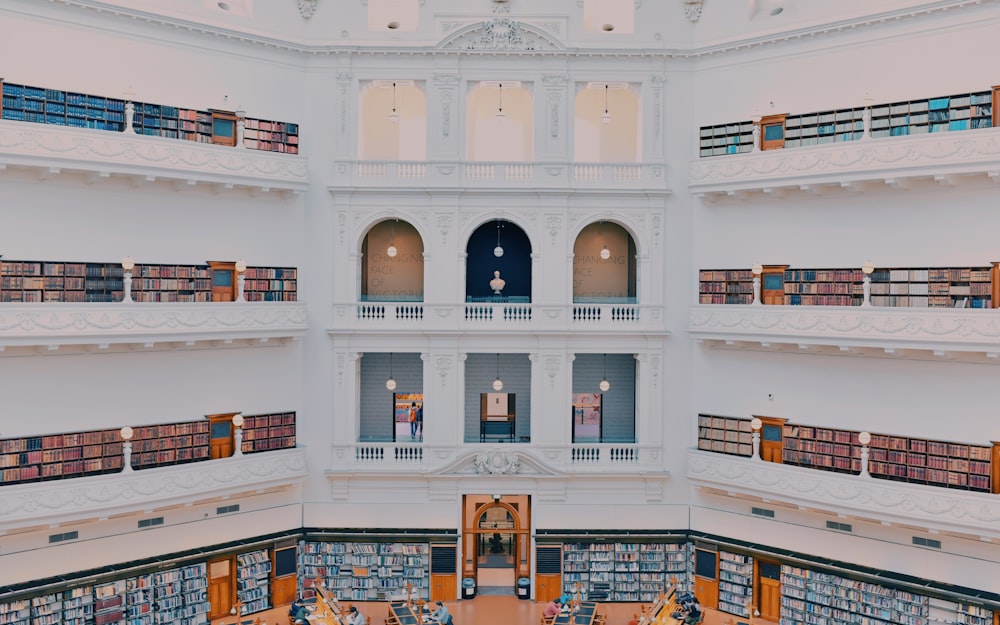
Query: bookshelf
point(52, 106)
point(617, 571)
point(935, 463)
point(46, 609)
point(78, 606)
point(821, 448)
point(735, 583)
point(815, 597)
point(725, 286)
point(271, 136)
point(61, 281)
point(109, 603)
point(962, 111)
point(824, 127)
point(824, 287)
point(76, 454)
point(365, 571)
point(734, 138)
point(725, 435)
point(253, 575)
point(15, 612)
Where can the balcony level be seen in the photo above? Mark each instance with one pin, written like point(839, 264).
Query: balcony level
point(850, 496)
point(496, 317)
point(58, 327)
point(103, 496)
point(944, 158)
point(971, 335)
point(51, 150)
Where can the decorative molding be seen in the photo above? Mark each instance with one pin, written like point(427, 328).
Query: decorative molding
point(970, 331)
point(553, 365)
point(500, 34)
point(443, 366)
point(307, 8)
point(497, 463)
point(123, 493)
point(909, 504)
point(444, 223)
point(883, 161)
point(160, 322)
point(146, 159)
point(553, 223)
point(555, 101)
point(692, 9)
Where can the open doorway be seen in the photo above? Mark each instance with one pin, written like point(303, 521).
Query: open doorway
point(495, 546)
point(495, 553)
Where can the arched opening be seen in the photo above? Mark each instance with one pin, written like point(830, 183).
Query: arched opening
point(392, 263)
point(604, 265)
point(498, 250)
point(496, 542)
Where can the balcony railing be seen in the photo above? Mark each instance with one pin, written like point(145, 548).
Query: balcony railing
point(934, 333)
point(457, 174)
point(118, 493)
point(946, 158)
point(56, 324)
point(850, 495)
point(53, 149)
point(496, 316)
point(373, 458)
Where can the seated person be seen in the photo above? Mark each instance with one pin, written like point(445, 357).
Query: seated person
point(298, 611)
point(354, 617)
point(440, 615)
point(553, 608)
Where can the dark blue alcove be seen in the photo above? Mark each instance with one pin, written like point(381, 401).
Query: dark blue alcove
point(514, 265)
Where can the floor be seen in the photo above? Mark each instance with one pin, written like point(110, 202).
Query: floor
point(487, 610)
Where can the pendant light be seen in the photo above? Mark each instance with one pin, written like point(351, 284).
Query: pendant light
point(391, 251)
point(606, 118)
point(498, 250)
point(497, 382)
point(500, 100)
point(393, 114)
point(390, 384)
point(605, 252)
point(604, 385)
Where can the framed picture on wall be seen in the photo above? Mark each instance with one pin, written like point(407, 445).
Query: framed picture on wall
point(587, 417)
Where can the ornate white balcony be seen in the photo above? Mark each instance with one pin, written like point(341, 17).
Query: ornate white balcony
point(122, 493)
point(466, 317)
point(56, 325)
point(946, 158)
point(939, 509)
point(632, 177)
point(51, 150)
point(920, 333)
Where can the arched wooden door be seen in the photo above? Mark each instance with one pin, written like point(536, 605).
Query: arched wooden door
point(478, 530)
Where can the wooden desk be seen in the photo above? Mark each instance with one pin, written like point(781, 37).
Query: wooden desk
point(327, 610)
point(584, 616)
point(660, 613)
point(403, 613)
point(497, 427)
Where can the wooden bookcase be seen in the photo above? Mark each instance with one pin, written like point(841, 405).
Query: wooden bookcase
point(725, 286)
point(772, 132)
point(270, 284)
point(962, 111)
point(736, 581)
point(271, 136)
point(366, 571)
point(807, 594)
point(53, 106)
point(821, 448)
point(171, 283)
point(726, 139)
point(267, 432)
point(616, 571)
point(824, 287)
point(941, 287)
point(172, 443)
point(253, 575)
point(725, 435)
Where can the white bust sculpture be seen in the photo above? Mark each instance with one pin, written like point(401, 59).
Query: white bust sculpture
point(497, 283)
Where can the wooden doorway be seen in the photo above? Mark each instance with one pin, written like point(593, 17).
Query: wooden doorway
point(221, 586)
point(444, 581)
point(706, 577)
point(498, 526)
point(768, 590)
point(221, 435)
point(771, 436)
point(223, 281)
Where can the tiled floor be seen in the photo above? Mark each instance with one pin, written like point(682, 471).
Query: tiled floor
point(489, 610)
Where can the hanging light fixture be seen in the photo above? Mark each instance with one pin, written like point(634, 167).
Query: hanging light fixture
point(606, 118)
point(391, 251)
point(497, 382)
point(390, 384)
point(498, 250)
point(394, 114)
point(605, 252)
point(500, 100)
point(604, 385)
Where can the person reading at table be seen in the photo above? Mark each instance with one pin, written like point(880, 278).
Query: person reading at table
point(354, 617)
point(552, 609)
point(298, 612)
point(441, 614)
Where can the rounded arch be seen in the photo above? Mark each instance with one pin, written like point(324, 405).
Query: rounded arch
point(480, 512)
point(391, 261)
point(498, 264)
point(604, 264)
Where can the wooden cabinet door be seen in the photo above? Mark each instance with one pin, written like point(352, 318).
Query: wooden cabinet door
point(769, 590)
point(706, 577)
point(221, 588)
point(547, 587)
point(444, 587)
point(771, 439)
point(221, 436)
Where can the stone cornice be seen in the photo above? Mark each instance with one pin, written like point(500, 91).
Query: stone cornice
point(51, 325)
point(735, 45)
point(850, 329)
point(121, 493)
point(54, 149)
point(933, 508)
point(890, 161)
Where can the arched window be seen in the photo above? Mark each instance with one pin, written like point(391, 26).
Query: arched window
point(498, 250)
point(604, 267)
point(392, 263)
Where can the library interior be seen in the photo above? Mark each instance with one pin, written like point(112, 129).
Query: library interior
point(592, 312)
